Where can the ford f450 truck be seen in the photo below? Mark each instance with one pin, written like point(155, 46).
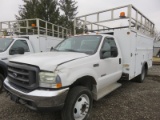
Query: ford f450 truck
point(27, 39)
point(84, 67)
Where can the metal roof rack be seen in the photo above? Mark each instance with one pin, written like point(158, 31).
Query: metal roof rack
point(135, 21)
point(34, 27)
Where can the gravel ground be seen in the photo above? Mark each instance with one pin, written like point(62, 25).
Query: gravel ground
point(154, 71)
point(132, 101)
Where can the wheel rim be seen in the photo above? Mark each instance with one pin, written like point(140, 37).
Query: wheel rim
point(81, 107)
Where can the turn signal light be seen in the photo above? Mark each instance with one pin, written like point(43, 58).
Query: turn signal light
point(58, 85)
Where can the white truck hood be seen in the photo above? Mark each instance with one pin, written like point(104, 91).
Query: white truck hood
point(48, 61)
point(4, 57)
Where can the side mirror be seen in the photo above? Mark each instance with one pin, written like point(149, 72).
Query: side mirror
point(114, 51)
point(14, 51)
point(105, 54)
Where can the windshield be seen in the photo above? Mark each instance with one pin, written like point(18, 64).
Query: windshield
point(4, 43)
point(85, 44)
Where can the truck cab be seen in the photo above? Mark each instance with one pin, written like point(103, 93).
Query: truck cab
point(92, 60)
point(10, 47)
point(25, 40)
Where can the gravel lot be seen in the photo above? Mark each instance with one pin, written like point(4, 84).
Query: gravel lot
point(132, 101)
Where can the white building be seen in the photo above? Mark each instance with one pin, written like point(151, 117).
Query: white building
point(156, 50)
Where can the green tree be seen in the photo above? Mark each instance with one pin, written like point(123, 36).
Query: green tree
point(28, 10)
point(70, 11)
point(69, 8)
point(43, 9)
point(48, 11)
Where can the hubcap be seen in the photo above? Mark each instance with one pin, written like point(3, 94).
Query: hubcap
point(81, 107)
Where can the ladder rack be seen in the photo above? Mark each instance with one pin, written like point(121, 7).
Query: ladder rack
point(135, 20)
point(34, 27)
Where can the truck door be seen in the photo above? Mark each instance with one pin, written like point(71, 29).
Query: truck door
point(19, 44)
point(110, 64)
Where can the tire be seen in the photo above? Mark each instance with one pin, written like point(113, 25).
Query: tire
point(141, 77)
point(1, 82)
point(78, 104)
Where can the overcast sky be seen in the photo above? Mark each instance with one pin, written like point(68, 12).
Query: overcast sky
point(150, 8)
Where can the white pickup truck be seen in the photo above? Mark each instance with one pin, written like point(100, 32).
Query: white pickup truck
point(28, 43)
point(79, 70)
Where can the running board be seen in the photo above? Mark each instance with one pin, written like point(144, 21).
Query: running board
point(107, 90)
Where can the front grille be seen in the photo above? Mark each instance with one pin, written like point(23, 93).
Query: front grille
point(23, 76)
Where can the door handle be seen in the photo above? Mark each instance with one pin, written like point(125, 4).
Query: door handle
point(4, 58)
point(120, 61)
point(96, 65)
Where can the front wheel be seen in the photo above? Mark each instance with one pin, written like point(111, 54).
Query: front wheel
point(1, 82)
point(78, 104)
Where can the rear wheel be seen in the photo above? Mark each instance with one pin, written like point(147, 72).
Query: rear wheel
point(142, 76)
point(78, 104)
point(1, 82)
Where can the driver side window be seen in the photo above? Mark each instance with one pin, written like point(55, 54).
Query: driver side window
point(109, 48)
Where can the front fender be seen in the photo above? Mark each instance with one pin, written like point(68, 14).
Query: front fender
point(70, 76)
point(3, 68)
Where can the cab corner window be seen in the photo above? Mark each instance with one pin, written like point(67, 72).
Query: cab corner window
point(5, 43)
point(109, 48)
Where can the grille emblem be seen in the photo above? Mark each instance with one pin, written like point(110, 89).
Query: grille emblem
point(15, 75)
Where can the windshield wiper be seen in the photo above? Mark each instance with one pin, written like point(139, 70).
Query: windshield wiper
point(54, 49)
point(71, 50)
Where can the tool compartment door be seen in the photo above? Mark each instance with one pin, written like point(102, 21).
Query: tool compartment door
point(132, 66)
point(144, 50)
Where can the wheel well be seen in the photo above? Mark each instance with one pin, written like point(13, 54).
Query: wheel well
point(146, 65)
point(87, 81)
point(2, 72)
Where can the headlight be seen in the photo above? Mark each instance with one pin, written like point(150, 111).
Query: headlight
point(49, 80)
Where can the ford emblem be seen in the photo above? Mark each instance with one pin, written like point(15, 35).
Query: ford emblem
point(15, 75)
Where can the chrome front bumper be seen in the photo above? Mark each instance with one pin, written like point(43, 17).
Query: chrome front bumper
point(38, 99)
